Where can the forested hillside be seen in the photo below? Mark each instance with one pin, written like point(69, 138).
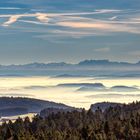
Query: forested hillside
point(115, 123)
point(10, 106)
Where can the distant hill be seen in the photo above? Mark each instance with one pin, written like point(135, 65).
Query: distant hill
point(93, 85)
point(13, 111)
point(101, 87)
point(47, 111)
point(124, 88)
point(16, 106)
point(103, 105)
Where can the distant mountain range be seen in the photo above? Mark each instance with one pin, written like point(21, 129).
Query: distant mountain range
point(106, 62)
point(61, 65)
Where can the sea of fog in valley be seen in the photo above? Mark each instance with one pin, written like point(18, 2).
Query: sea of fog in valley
point(78, 89)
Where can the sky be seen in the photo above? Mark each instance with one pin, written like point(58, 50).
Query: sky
point(69, 30)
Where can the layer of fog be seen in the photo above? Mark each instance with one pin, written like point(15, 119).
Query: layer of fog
point(74, 91)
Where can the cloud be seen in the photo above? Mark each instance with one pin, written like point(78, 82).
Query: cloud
point(113, 95)
point(35, 87)
point(102, 11)
point(134, 53)
point(102, 26)
point(32, 22)
point(107, 49)
point(113, 18)
point(11, 20)
point(9, 8)
point(83, 25)
point(42, 17)
point(77, 25)
point(11, 94)
point(14, 18)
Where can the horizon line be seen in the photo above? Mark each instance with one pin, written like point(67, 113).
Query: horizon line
point(70, 63)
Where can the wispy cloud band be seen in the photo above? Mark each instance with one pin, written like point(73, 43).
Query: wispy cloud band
point(81, 23)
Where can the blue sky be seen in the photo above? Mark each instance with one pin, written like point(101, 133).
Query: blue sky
point(70, 31)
